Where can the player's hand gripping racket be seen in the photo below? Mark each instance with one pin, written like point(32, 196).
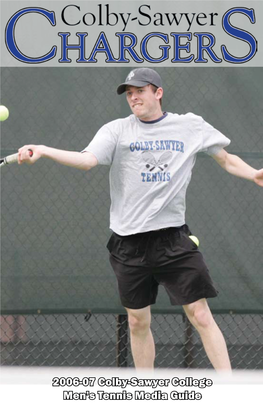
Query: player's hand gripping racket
point(13, 158)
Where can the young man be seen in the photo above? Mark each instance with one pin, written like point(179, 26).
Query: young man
point(151, 155)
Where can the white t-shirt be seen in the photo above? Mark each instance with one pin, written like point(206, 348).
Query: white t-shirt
point(151, 167)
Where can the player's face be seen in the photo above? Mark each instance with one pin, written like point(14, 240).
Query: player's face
point(144, 102)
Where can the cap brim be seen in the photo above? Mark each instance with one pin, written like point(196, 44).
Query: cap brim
point(139, 84)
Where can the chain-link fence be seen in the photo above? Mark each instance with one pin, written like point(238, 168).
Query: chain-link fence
point(103, 341)
point(54, 221)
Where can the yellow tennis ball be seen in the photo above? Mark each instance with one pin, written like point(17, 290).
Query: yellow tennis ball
point(194, 239)
point(4, 113)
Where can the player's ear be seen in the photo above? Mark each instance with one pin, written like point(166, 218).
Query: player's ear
point(159, 93)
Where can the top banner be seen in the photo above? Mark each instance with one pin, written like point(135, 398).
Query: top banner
point(135, 33)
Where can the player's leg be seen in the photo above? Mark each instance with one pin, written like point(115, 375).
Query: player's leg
point(142, 343)
point(138, 290)
point(200, 316)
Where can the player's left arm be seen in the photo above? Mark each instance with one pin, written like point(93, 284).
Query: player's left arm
point(236, 166)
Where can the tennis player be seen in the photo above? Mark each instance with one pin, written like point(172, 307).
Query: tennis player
point(151, 155)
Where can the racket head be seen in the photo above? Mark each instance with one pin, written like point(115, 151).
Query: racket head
point(165, 157)
point(148, 158)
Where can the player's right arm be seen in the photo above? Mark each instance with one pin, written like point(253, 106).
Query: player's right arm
point(83, 161)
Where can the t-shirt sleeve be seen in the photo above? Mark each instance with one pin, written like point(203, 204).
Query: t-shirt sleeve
point(213, 140)
point(103, 145)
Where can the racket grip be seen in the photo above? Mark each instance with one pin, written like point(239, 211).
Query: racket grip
point(13, 158)
point(10, 159)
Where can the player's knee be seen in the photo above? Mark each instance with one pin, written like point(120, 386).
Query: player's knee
point(202, 318)
point(138, 324)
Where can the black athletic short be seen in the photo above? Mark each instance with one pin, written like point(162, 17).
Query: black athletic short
point(168, 257)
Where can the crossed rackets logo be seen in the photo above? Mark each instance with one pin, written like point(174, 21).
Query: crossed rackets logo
point(152, 163)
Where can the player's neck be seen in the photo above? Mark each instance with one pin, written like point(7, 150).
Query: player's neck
point(152, 117)
point(164, 114)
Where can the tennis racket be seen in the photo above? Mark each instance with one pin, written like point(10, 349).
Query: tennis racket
point(161, 163)
point(149, 159)
point(11, 159)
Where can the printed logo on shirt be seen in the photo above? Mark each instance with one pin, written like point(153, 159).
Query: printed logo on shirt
point(152, 162)
point(158, 145)
point(156, 161)
point(156, 166)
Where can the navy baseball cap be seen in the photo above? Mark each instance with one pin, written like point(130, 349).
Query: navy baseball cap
point(141, 77)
